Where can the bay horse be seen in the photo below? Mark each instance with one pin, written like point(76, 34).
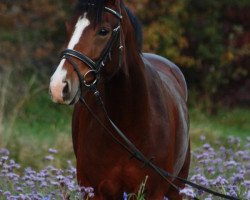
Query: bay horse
point(144, 94)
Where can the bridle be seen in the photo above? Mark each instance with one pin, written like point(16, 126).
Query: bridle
point(95, 68)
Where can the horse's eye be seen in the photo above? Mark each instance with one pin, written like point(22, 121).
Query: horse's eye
point(103, 32)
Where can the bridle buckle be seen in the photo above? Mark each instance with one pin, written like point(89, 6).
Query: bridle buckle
point(90, 84)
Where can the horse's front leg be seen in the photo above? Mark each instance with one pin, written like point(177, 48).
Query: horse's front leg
point(108, 190)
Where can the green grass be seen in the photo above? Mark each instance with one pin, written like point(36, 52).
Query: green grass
point(234, 121)
point(41, 124)
point(40, 116)
point(227, 122)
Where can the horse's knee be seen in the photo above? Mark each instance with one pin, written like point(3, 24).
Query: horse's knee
point(108, 190)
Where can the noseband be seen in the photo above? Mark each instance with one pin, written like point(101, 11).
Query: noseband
point(95, 67)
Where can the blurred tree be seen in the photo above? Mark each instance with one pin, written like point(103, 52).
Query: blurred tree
point(31, 35)
point(209, 40)
point(214, 33)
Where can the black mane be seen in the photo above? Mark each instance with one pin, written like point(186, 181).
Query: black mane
point(95, 9)
point(137, 28)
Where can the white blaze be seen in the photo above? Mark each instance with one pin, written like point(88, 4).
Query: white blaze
point(58, 78)
point(81, 24)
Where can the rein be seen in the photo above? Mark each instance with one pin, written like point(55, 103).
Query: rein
point(136, 153)
point(95, 68)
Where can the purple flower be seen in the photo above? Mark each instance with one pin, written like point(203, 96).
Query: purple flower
point(49, 158)
point(7, 194)
point(237, 178)
point(44, 173)
point(246, 157)
point(91, 195)
point(4, 152)
point(206, 146)
point(54, 183)
point(187, 192)
point(219, 181)
point(204, 155)
point(28, 171)
point(233, 191)
point(247, 184)
point(23, 197)
point(13, 176)
point(222, 149)
point(211, 170)
point(125, 196)
point(240, 153)
point(46, 198)
point(87, 192)
point(4, 158)
point(19, 189)
point(60, 177)
point(234, 140)
point(4, 172)
point(230, 164)
point(200, 179)
point(70, 185)
point(13, 197)
point(13, 164)
point(217, 161)
point(248, 194)
point(30, 183)
point(202, 138)
point(72, 170)
point(208, 198)
point(54, 151)
point(51, 168)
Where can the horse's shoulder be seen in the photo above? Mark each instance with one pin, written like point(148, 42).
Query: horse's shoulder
point(168, 68)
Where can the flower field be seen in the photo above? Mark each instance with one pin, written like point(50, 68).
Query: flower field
point(223, 166)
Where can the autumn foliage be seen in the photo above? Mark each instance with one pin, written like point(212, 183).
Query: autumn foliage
point(209, 40)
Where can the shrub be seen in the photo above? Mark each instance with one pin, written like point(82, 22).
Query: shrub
point(207, 39)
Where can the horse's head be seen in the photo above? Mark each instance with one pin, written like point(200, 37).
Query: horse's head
point(93, 31)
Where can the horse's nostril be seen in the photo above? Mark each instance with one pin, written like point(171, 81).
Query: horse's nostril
point(65, 92)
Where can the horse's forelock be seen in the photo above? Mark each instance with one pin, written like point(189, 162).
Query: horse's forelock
point(93, 7)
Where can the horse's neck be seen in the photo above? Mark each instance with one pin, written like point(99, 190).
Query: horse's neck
point(127, 92)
